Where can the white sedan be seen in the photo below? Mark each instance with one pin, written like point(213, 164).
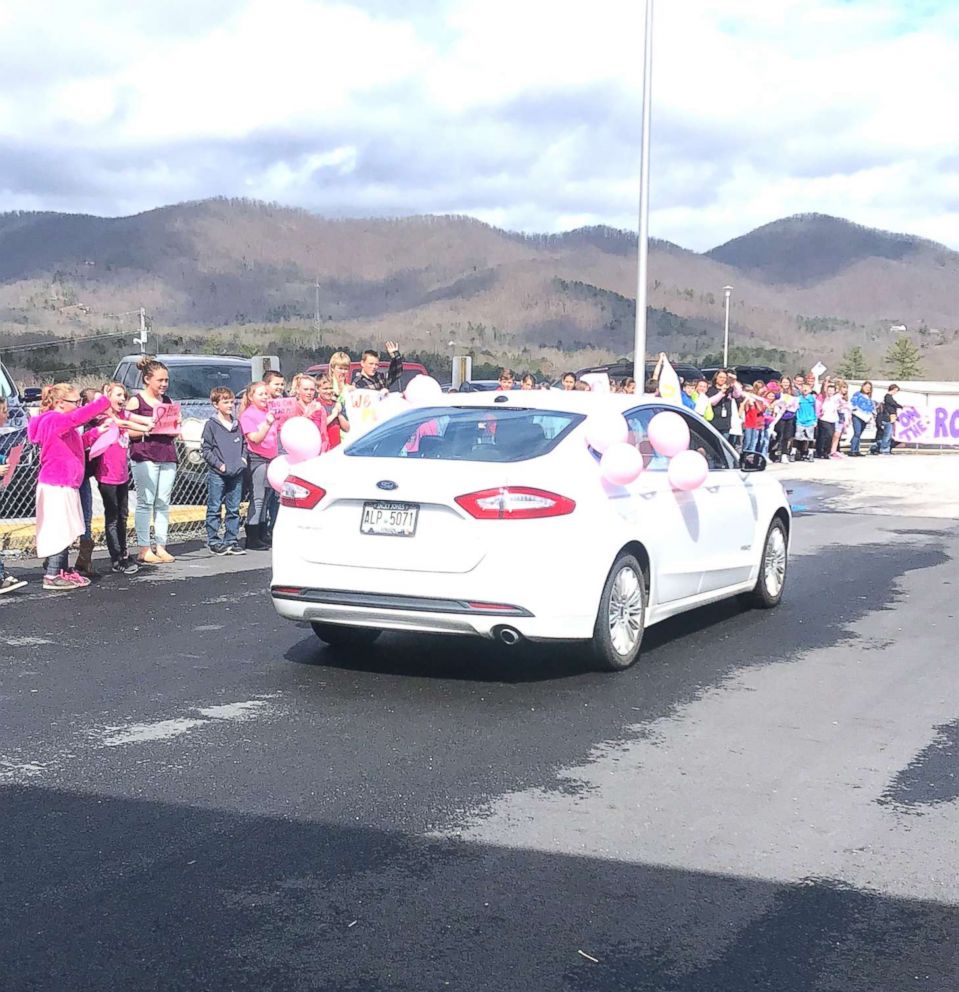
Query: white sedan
point(486, 514)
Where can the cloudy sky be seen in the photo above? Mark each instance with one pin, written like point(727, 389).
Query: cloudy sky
point(524, 113)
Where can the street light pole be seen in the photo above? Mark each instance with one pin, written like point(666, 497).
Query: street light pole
point(726, 292)
point(639, 343)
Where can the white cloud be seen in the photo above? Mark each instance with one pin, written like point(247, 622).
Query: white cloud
point(522, 113)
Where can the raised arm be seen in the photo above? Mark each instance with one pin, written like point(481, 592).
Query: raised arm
point(396, 363)
point(82, 414)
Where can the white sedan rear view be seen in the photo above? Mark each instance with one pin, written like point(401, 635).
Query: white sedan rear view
point(486, 514)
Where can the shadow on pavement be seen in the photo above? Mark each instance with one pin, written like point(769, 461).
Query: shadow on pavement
point(115, 894)
point(740, 636)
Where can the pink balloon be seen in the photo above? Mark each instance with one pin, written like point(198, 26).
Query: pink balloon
point(391, 405)
point(605, 428)
point(687, 471)
point(621, 464)
point(668, 433)
point(423, 390)
point(277, 471)
point(301, 439)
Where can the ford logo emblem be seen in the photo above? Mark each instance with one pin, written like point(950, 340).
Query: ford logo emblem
point(388, 484)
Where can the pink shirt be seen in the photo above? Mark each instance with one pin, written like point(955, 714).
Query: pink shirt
point(61, 449)
point(318, 416)
point(112, 467)
point(250, 421)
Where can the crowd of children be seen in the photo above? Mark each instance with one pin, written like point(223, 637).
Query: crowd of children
point(796, 418)
point(104, 435)
point(112, 439)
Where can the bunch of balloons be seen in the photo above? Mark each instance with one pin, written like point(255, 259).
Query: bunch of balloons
point(621, 463)
point(301, 440)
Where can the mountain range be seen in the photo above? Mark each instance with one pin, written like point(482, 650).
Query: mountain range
point(806, 287)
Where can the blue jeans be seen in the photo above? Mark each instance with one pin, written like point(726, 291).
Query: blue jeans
point(57, 563)
point(858, 425)
point(154, 485)
point(86, 505)
point(763, 446)
point(223, 490)
point(885, 444)
point(272, 507)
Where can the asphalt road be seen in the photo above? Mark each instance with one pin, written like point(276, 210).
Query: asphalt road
point(195, 795)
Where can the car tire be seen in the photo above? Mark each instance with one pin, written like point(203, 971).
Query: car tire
point(772, 568)
point(621, 619)
point(338, 636)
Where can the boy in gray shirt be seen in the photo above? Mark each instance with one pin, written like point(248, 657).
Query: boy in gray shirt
point(224, 450)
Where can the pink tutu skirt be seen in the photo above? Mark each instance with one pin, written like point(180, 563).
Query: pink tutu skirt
point(59, 518)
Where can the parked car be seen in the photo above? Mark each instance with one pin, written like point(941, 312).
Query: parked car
point(18, 499)
point(617, 371)
point(31, 394)
point(482, 386)
point(748, 373)
point(410, 371)
point(17, 414)
point(408, 528)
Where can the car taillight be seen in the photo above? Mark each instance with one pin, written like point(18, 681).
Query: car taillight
point(515, 503)
point(300, 494)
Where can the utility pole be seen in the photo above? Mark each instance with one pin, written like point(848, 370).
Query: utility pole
point(727, 291)
point(639, 344)
point(316, 307)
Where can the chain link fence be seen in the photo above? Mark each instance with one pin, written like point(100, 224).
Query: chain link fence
point(18, 498)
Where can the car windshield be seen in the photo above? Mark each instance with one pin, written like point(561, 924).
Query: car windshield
point(7, 388)
point(470, 434)
point(194, 382)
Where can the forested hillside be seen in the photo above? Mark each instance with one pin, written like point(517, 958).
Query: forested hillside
point(236, 275)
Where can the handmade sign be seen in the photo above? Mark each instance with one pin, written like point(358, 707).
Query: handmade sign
point(284, 409)
point(168, 419)
point(13, 460)
point(362, 406)
point(937, 424)
point(669, 388)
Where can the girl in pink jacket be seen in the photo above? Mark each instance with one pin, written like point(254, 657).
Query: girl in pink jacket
point(59, 516)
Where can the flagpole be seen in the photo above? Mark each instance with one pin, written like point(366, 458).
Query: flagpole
point(639, 344)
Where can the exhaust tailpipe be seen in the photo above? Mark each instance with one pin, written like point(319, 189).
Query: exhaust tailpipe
point(509, 636)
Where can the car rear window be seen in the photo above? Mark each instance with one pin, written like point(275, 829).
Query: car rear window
point(467, 434)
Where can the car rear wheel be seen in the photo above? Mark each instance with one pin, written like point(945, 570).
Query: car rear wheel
point(772, 568)
point(338, 636)
point(621, 619)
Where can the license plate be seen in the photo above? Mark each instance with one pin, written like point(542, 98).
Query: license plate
point(389, 519)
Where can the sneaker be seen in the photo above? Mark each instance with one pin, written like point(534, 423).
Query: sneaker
point(234, 549)
point(9, 584)
point(59, 583)
point(216, 549)
point(80, 581)
point(125, 566)
point(836, 456)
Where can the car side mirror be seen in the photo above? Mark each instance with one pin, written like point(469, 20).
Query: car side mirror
point(752, 461)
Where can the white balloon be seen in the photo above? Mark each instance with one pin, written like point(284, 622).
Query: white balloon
point(423, 390)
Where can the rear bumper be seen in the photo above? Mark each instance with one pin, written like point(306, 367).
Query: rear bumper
point(421, 614)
